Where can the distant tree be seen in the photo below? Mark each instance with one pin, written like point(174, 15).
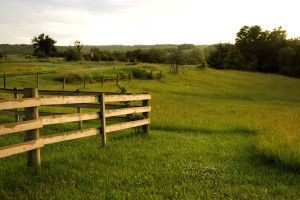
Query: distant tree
point(186, 47)
point(257, 50)
point(78, 46)
point(289, 58)
point(120, 56)
point(96, 54)
point(209, 50)
point(156, 55)
point(250, 42)
point(261, 48)
point(74, 53)
point(43, 46)
point(176, 58)
point(131, 57)
point(102, 55)
point(196, 57)
point(226, 56)
point(275, 41)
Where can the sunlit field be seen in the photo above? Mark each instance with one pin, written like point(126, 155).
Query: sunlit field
point(213, 135)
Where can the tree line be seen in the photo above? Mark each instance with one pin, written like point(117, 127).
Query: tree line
point(44, 46)
point(254, 50)
point(257, 50)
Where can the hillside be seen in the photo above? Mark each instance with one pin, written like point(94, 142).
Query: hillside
point(215, 134)
point(27, 49)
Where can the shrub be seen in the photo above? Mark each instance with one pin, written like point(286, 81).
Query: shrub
point(74, 78)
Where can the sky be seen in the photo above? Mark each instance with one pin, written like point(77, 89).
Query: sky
point(133, 22)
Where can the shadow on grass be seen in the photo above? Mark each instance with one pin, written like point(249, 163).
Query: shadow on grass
point(275, 162)
point(127, 135)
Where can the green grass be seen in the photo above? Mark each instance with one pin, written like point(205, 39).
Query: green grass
point(214, 135)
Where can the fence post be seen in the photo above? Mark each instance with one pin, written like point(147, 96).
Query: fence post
point(117, 81)
point(102, 80)
point(17, 118)
point(129, 77)
point(151, 74)
point(64, 82)
point(32, 113)
point(84, 81)
point(102, 118)
point(146, 115)
point(79, 111)
point(160, 74)
point(37, 80)
point(4, 80)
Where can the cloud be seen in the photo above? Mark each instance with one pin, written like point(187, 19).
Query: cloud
point(140, 21)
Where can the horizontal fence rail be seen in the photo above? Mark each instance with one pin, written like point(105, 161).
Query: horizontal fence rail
point(93, 100)
point(84, 79)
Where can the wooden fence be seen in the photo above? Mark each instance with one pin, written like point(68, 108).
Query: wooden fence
point(103, 79)
point(31, 102)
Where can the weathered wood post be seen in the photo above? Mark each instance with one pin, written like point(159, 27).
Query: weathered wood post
point(4, 81)
point(79, 111)
point(17, 118)
point(146, 115)
point(37, 80)
point(102, 118)
point(117, 80)
point(129, 77)
point(64, 82)
point(32, 113)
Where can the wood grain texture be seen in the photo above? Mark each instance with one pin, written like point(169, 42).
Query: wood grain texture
point(132, 97)
point(20, 126)
point(125, 111)
point(19, 103)
point(68, 100)
point(117, 127)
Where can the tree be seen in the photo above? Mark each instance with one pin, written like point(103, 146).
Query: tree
point(261, 48)
point(1, 54)
point(176, 58)
point(226, 56)
point(101, 55)
point(186, 46)
point(250, 42)
point(74, 53)
point(289, 58)
point(78, 46)
point(196, 57)
point(44, 46)
point(275, 41)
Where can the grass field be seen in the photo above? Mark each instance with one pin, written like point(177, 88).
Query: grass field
point(214, 135)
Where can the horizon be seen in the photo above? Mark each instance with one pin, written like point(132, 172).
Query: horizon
point(116, 44)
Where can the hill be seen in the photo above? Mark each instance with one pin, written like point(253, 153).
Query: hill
point(27, 49)
point(215, 134)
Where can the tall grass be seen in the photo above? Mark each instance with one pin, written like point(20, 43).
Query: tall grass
point(214, 135)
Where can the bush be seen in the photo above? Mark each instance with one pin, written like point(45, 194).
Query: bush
point(74, 78)
point(72, 55)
